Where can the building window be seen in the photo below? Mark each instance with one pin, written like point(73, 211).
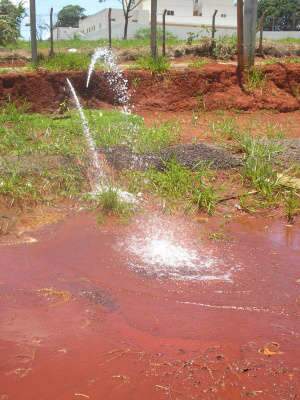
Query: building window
point(170, 12)
point(113, 19)
point(135, 20)
point(223, 15)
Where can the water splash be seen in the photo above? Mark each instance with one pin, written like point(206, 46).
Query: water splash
point(98, 174)
point(98, 178)
point(116, 80)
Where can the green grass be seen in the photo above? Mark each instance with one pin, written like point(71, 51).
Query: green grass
point(292, 205)
point(256, 79)
point(31, 138)
point(66, 62)
point(226, 128)
point(159, 65)
point(289, 41)
point(114, 128)
point(109, 203)
point(259, 166)
point(89, 44)
point(199, 64)
point(178, 185)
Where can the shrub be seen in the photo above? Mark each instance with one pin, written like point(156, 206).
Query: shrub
point(65, 62)
point(159, 65)
point(225, 47)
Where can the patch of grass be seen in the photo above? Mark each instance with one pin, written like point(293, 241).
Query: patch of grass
point(159, 65)
point(259, 165)
point(66, 62)
point(28, 141)
point(87, 45)
point(178, 185)
point(109, 203)
point(198, 64)
point(114, 128)
point(275, 132)
point(292, 205)
point(292, 60)
point(289, 41)
point(225, 128)
point(256, 79)
point(225, 47)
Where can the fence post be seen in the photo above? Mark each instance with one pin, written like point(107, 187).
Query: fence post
point(154, 29)
point(51, 53)
point(109, 28)
point(164, 34)
point(33, 32)
point(261, 34)
point(250, 25)
point(213, 33)
point(240, 36)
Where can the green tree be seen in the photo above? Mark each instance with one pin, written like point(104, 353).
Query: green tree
point(279, 14)
point(11, 16)
point(70, 16)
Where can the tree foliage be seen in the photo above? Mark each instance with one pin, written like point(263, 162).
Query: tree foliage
point(70, 15)
point(279, 14)
point(11, 16)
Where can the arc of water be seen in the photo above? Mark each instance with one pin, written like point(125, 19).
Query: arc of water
point(98, 171)
point(116, 80)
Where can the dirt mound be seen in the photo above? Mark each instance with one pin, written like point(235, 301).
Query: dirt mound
point(214, 87)
point(188, 155)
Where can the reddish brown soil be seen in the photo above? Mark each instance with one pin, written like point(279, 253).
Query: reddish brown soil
point(200, 125)
point(216, 86)
point(77, 323)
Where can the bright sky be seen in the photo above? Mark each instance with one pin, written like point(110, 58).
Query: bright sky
point(43, 9)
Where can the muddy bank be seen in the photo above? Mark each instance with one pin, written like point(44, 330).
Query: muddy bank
point(214, 87)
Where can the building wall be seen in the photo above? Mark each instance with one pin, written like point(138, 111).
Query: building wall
point(276, 35)
point(96, 26)
point(184, 11)
point(65, 33)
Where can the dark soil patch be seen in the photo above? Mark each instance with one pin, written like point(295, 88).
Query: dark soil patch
point(188, 155)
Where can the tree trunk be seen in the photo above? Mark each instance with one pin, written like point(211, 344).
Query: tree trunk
point(126, 26)
point(154, 29)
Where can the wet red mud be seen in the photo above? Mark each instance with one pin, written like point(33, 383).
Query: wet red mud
point(106, 331)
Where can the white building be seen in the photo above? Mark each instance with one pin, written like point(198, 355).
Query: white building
point(183, 16)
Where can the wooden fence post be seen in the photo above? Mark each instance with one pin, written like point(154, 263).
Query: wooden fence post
point(154, 29)
point(261, 34)
point(51, 53)
point(213, 33)
point(164, 34)
point(109, 28)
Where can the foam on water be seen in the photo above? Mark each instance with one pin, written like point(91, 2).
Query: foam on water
point(166, 252)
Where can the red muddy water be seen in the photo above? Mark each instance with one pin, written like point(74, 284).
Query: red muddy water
point(81, 320)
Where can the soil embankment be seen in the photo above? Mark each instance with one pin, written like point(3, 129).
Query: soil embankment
point(213, 87)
